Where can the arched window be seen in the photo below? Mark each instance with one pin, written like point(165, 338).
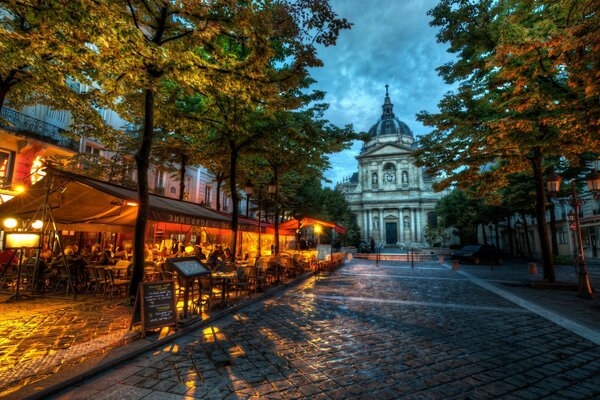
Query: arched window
point(404, 178)
point(374, 179)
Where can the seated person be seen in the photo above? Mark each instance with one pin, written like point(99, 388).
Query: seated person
point(98, 256)
point(121, 253)
point(227, 255)
point(198, 253)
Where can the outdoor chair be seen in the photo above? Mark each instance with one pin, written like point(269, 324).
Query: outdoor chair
point(115, 283)
point(244, 281)
point(208, 293)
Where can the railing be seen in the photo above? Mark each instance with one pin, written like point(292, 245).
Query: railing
point(38, 129)
point(159, 190)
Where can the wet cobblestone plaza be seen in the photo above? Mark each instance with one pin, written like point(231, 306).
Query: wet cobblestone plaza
point(383, 332)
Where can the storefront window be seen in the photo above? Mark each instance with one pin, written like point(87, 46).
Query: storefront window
point(5, 167)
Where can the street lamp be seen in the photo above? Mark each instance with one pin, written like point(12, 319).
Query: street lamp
point(318, 232)
point(593, 183)
point(249, 189)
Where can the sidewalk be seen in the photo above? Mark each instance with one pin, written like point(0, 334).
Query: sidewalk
point(514, 277)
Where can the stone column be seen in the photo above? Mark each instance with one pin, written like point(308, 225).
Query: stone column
point(364, 228)
point(418, 223)
point(401, 223)
point(381, 233)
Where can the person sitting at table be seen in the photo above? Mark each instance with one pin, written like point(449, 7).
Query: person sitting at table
point(227, 255)
point(121, 253)
point(213, 260)
point(198, 253)
point(180, 250)
point(99, 257)
point(148, 255)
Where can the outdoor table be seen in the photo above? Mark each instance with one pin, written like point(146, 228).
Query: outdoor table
point(225, 278)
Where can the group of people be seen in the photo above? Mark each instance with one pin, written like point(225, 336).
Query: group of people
point(50, 262)
point(215, 256)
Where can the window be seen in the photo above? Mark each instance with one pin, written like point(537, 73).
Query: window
point(225, 202)
point(562, 236)
point(374, 179)
point(159, 181)
point(6, 160)
point(432, 219)
point(93, 150)
point(207, 195)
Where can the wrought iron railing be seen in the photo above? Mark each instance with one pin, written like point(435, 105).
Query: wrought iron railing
point(38, 129)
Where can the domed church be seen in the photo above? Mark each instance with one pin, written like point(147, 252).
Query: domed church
point(392, 198)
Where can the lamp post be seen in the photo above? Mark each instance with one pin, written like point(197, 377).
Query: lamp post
point(20, 237)
point(593, 182)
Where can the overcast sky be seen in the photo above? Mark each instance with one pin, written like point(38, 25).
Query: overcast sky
point(390, 43)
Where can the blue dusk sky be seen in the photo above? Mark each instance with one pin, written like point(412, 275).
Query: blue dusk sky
point(391, 43)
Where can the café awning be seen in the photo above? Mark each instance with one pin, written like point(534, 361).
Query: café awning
point(85, 204)
point(299, 224)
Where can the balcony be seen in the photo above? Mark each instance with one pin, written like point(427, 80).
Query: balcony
point(159, 190)
point(37, 129)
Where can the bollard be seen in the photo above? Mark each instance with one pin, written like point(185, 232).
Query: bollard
point(455, 265)
point(532, 268)
point(441, 260)
point(349, 257)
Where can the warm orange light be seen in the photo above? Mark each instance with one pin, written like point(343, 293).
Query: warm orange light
point(19, 188)
point(317, 228)
point(131, 203)
point(37, 224)
point(10, 223)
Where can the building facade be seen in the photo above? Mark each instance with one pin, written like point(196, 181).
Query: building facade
point(35, 134)
point(392, 199)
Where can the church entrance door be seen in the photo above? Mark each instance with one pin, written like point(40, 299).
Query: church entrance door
point(391, 233)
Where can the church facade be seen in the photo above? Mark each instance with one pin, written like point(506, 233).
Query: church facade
point(392, 199)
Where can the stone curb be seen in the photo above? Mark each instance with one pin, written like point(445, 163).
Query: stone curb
point(136, 348)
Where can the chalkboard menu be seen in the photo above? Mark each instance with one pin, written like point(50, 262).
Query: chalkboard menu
point(189, 267)
point(323, 251)
point(155, 305)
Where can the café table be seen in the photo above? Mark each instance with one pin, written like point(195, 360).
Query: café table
point(225, 278)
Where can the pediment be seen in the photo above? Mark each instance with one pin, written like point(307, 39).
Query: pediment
point(386, 149)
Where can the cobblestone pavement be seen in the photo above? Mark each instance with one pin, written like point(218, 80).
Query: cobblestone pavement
point(369, 332)
point(43, 335)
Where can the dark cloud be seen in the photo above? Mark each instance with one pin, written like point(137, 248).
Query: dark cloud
point(392, 43)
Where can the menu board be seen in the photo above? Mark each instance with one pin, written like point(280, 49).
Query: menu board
point(155, 305)
point(323, 251)
point(189, 267)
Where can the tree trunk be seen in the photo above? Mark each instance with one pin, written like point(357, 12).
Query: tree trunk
point(527, 242)
point(182, 169)
point(540, 212)
point(552, 210)
point(510, 237)
point(485, 241)
point(234, 197)
point(3, 92)
point(497, 234)
point(142, 162)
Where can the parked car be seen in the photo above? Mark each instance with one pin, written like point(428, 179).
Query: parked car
point(478, 253)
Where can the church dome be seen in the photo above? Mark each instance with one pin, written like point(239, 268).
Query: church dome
point(389, 124)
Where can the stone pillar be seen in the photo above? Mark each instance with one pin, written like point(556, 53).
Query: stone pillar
point(413, 223)
point(401, 223)
point(366, 224)
point(418, 223)
point(381, 232)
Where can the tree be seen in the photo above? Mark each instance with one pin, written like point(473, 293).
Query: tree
point(47, 53)
point(181, 43)
point(516, 101)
